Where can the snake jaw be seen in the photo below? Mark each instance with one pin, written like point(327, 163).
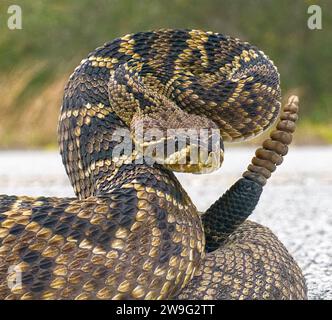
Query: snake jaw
point(207, 164)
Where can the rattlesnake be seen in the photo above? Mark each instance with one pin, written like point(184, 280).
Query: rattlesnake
point(133, 232)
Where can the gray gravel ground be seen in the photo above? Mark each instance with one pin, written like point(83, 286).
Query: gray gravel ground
point(296, 203)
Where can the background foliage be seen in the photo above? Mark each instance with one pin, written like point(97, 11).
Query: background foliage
point(36, 61)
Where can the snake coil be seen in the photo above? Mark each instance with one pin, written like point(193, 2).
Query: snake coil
point(132, 232)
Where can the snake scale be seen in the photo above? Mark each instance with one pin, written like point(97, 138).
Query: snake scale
point(132, 232)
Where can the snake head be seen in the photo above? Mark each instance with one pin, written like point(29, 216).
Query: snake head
point(196, 151)
point(180, 148)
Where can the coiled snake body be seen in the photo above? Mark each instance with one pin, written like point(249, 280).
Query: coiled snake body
point(133, 232)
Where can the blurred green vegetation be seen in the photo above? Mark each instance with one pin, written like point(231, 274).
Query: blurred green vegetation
point(56, 35)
